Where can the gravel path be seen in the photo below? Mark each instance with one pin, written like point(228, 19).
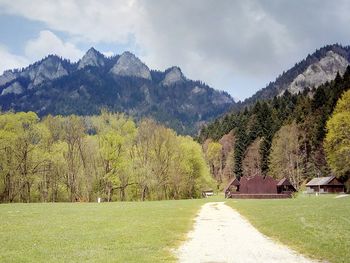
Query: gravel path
point(221, 234)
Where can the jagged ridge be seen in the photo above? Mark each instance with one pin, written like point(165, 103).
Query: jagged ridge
point(121, 83)
point(314, 70)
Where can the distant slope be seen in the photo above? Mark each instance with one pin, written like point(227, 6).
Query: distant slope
point(314, 70)
point(121, 83)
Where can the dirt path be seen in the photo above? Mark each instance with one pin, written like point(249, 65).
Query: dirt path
point(221, 234)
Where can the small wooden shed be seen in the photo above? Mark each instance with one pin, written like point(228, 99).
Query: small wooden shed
point(285, 186)
point(329, 184)
point(232, 187)
point(207, 193)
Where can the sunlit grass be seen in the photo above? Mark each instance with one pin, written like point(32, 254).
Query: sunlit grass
point(318, 226)
point(91, 232)
point(148, 231)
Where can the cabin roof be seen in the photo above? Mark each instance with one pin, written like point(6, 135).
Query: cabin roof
point(283, 181)
point(233, 181)
point(321, 181)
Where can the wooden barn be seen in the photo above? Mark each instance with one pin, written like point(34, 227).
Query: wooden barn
point(329, 184)
point(259, 187)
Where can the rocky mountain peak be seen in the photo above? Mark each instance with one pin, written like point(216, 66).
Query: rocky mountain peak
point(316, 69)
point(55, 86)
point(7, 77)
point(173, 75)
point(92, 58)
point(92, 50)
point(49, 69)
point(129, 65)
point(319, 72)
point(14, 88)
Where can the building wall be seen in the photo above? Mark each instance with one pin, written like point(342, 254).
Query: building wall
point(328, 188)
point(258, 185)
point(334, 189)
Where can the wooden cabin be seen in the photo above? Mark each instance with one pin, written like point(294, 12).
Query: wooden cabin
point(329, 184)
point(259, 187)
point(285, 186)
point(232, 187)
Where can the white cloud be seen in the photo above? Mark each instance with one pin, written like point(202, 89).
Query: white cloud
point(187, 33)
point(108, 53)
point(10, 61)
point(89, 20)
point(48, 43)
point(210, 40)
point(35, 49)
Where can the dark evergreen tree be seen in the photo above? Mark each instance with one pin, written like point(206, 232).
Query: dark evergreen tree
point(240, 146)
point(310, 110)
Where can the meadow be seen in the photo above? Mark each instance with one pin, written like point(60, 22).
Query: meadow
point(317, 226)
point(149, 231)
point(92, 232)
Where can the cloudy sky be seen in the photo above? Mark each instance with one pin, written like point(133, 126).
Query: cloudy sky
point(236, 46)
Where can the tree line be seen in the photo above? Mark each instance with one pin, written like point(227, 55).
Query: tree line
point(287, 136)
point(108, 156)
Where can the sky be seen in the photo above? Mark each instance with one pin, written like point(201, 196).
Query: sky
point(235, 46)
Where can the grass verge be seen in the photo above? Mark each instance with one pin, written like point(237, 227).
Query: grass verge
point(317, 226)
point(91, 232)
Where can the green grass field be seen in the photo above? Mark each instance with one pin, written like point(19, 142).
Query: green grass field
point(148, 231)
point(317, 226)
point(91, 232)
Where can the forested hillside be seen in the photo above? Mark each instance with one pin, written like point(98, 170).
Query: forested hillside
point(122, 83)
point(82, 158)
point(280, 137)
point(316, 69)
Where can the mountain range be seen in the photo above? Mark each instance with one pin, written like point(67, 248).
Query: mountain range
point(122, 83)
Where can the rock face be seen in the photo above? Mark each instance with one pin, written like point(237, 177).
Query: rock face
point(131, 66)
point(221, 98)
point(320, 72)
point(197, 90)
point(173, 75)
point(92, 58)
point(119, 84)
point(15, 88)
point(7, 77)
point(49, 68)
point(311, 72)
